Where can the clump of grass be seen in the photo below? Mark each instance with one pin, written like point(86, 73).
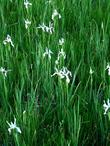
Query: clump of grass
point(54, 73)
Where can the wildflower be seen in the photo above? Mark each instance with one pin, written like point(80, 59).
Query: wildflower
point(91, 71)
point(27, 4)
point(63, 73)
point(108, 67)
point(55, 13)
point(60, 54)
point(4, 71)
point(27, 23)
point(8, 41)
point(61, 41)
point(13, 126)
point(48, 53)
point(43, 26)
point(48, 29)
point(106, 106)
point(59, 73)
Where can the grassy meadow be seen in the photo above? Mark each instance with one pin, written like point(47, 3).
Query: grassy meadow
point(54, 73)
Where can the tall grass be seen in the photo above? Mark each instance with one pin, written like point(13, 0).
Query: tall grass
point(48, 110)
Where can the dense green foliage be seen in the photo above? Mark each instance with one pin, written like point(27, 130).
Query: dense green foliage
point(48, 110)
